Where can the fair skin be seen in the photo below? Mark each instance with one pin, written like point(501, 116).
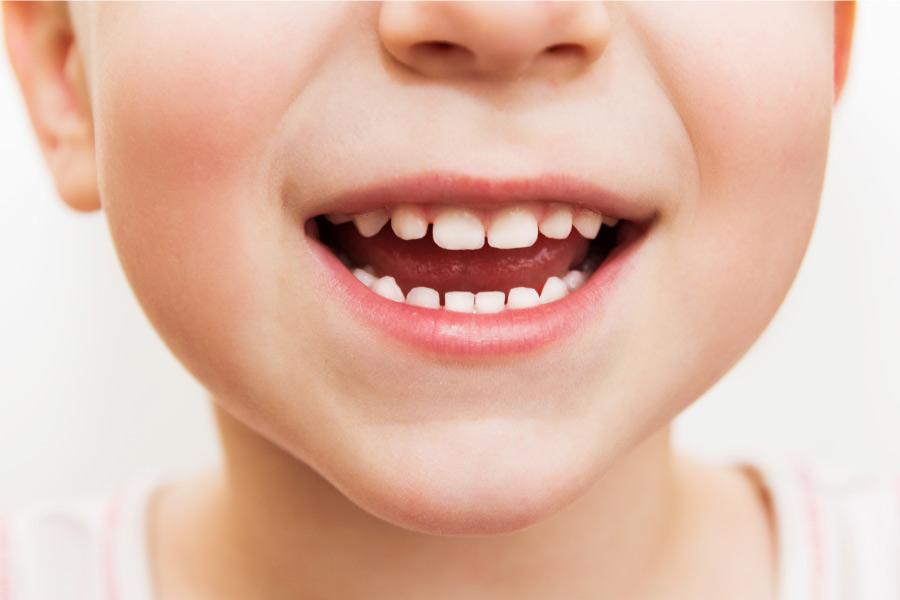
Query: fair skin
point(357, 465)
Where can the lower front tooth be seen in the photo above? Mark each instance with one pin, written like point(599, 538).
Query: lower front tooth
point(424, 297)
point(554, 289)
point(489, 302)
point(574, 280)
point(365, 277)
point(460, 302)
point(523, 297)
point(387, 287)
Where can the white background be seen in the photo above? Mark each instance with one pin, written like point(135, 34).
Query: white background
point(89, 396)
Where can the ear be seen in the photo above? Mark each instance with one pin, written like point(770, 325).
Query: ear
point(844, 16)
point(44, 54)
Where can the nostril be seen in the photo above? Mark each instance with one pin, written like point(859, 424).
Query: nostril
point(439, 49)
point(565, 50)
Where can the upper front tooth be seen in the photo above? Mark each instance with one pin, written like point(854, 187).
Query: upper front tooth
point(458, 229)
point(513, 227)
point(557, 223)
point(587, 222)
point(409, 222)
point(370, 223)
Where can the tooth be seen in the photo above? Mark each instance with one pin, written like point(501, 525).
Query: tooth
point(463, 302)
point(574, 280)
point(611, 221)
point(365, 277)
point(370, 223)
point(513, 227)
point(409, 223)
point(554, 289)
point(458, 229)
point(489, 302)
point(424, 297)
point(387, 287)
point(338, 219)
point(587, 223)
point(557, 223)
point(522, 297)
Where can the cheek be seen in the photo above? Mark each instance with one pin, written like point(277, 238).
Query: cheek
point(752, 85)
point(186, 168)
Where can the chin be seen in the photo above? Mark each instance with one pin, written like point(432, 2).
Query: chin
point(476, 478)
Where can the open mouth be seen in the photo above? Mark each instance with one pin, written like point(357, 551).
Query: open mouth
point(474, 260)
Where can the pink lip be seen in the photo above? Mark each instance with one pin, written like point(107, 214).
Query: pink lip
point(506, 333)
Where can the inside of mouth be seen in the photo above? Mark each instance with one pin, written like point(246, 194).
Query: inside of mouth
point(421, 263)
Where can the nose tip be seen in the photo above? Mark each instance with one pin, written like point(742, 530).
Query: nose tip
point(500, 39)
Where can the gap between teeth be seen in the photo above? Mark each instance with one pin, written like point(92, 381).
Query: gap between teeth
point(555, 288)
point(461, 228)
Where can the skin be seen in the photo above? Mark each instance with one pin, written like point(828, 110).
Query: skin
point(355, 466)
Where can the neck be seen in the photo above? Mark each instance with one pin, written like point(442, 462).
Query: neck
point(289, 533)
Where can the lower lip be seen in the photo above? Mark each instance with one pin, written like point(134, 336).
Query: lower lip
point(460, 334)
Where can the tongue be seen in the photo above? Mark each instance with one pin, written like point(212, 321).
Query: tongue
point(421, 262)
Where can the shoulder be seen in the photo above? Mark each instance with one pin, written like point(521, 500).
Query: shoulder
point(88, 547)
point(838, 533)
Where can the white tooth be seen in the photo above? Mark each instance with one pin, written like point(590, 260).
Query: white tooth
point(424, 297)
point(611, 221)
point(370, 223)
point(587, 223)
point(338, 219)
point(554, 289)
point(367, 278)
point(409, 222)
point(513, 227)
point(523, 297)
point(458, 229)
point(463, 302)
point(387, 287)
point(489, 302)
point(557, 223)
point(574, 280)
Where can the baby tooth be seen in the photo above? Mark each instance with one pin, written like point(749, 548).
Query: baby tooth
point(370, 223)
point(387, 287)
point(523, 297)
point(554, 289)
point(610, 221)
point(587, 223)
point(557, 223)
point(574, 280)
point(463, 302)
point(409, 223)
point(489, 302)
point(458, 229)
point(424, 297)
point(365, 277)
point(513, 228)
point(338, 219)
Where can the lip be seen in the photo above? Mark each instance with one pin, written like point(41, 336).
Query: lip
point(478, 335)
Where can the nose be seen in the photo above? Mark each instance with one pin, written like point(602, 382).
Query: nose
point(494, 39)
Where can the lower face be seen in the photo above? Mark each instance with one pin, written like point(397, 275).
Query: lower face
point(276, 199)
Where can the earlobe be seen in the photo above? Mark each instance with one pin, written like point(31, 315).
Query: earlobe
point(45, 57)
point(844, 17)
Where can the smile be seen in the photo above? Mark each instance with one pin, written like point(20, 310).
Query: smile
point(467, 266)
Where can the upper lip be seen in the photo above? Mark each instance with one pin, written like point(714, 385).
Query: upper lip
point(465, 190)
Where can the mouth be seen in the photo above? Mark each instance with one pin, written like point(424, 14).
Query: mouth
point(478, 267)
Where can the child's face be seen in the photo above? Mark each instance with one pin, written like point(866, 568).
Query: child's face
point(221, 132)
